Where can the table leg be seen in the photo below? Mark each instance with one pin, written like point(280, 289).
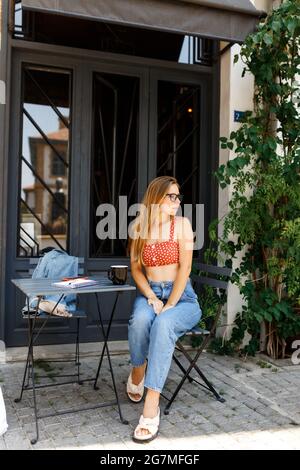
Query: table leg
point(34, 441)
point(30, 365)
point(105, 348)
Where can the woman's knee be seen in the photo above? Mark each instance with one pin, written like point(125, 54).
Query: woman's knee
point(163, 327)
point(142, 315)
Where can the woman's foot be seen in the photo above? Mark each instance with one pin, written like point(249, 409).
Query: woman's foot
point(147, 429)
point(150, 411)
point(136, 378)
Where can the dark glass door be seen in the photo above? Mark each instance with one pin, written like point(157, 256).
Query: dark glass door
point(41, 164)
point(116, 177)
point(174, 143)
point(114, 170)
point(88, 135)
point(44, 160)
point(178, 135)
point(179, 142)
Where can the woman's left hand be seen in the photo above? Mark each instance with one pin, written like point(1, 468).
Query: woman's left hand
point(166, 307)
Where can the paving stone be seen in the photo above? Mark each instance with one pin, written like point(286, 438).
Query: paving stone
point(258, 413)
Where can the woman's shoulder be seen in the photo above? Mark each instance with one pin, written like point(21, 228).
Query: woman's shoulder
point(182, 226)
point(181, 221)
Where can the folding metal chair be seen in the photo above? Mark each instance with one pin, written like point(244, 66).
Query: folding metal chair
point(221, 285)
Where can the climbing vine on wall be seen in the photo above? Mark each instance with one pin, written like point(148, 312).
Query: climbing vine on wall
point(263, 221)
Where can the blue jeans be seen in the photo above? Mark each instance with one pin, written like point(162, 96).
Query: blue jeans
point(153, 337)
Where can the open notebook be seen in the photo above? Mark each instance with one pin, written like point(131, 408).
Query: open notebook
point(75, 283)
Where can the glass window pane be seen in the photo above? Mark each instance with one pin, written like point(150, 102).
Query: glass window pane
point(178, 138)
point(115, 38)
point(115, 154)
point(178, 135)
point(44, 160)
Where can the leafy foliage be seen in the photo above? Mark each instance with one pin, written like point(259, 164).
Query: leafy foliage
point(263, 222)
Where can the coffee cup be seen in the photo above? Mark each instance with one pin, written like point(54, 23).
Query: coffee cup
point(117, 274)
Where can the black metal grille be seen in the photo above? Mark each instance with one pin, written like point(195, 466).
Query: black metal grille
point(114, 167)
point(45, 144)
point(178, 138)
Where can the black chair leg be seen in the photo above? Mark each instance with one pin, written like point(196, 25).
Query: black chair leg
point(170, 401)
point(190, 379)
point(193, 365)
point(186, 372)
point(34, 440)
point(77, 354)
point(209, 385)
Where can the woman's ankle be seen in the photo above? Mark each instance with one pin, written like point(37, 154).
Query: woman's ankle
point(151, 404)
point(138, 373)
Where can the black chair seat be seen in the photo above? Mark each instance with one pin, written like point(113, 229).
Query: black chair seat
point(45, 315)
point(196, 331)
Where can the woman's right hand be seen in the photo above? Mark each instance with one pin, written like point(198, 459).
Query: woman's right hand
point(157, 304)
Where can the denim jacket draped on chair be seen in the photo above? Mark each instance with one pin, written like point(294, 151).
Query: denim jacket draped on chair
point(56, 264)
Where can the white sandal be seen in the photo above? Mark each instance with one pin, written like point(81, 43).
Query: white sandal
point(135, 389)
point(151, 425)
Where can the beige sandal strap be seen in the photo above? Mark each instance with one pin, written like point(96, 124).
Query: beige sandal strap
point(149, 421)
point(150, 424)
point(135, 389)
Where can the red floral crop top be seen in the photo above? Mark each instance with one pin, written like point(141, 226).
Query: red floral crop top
point(162, 253)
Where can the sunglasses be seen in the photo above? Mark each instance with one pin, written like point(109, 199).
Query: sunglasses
point(173, 197)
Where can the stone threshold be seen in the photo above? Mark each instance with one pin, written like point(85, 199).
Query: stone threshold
point(67, 351)
point(63, 351)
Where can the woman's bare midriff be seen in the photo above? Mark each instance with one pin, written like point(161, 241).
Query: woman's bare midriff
point(162, 273)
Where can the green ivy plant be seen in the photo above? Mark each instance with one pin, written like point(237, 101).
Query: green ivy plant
point(263, 221)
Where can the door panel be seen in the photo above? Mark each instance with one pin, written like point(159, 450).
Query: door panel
point(114, 171)
point(178, 134)
point(44, 160)
point(179, 143)
point(116, 128)
point(116, 108)
point(41, 154)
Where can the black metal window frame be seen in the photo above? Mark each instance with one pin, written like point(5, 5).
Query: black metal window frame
point(22, 159)
point(115, 185)
point(200, 51)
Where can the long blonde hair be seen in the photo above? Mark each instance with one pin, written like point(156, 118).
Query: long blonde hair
point(155, 191)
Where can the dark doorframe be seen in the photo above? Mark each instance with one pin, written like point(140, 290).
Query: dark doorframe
point(142, 75)
point(16, 266)
point(5, 75)
point(208, 134)
point(100, 265)
point(83, 68)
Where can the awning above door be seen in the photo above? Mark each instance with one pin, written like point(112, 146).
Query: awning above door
point(229, 20)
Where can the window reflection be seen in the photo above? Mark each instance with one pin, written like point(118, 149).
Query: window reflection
point(43, 219)
point(178, 135)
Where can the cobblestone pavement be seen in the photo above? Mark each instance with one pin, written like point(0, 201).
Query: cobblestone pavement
point(262, 409)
